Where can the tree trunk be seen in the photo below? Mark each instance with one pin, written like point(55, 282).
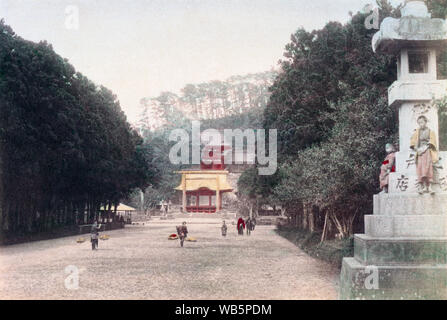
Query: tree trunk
point(305, 217)
point(326, 220)
point(250, 212)
point(311, 219)
point(1, 198)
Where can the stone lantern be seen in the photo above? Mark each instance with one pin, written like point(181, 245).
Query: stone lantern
point(403, 253)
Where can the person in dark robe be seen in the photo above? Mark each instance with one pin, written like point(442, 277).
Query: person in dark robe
point(253, 223)
point(249, 226)
point(94, 235)
point(224, 229)
point(182, 232)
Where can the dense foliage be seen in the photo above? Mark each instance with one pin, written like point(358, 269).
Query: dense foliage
point(66, 146)
point(330, 107)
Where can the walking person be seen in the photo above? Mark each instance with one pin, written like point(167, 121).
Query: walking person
point(94, 235)
point(163, 208)
point(224, 229)
point(253, 223)
point(240, 226)
point(249, 224)
point(182, 232)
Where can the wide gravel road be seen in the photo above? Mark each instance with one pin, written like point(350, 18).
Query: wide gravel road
point(139, 262)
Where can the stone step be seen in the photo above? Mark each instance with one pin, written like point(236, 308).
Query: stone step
point(358, 281)
point(399, 251)
point(405, 226)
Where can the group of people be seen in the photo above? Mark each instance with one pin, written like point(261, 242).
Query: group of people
point(249, 225)
point(182, 231)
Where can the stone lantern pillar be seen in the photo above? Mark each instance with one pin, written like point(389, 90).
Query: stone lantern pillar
point(403, 253)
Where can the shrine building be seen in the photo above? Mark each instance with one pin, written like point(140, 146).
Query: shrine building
point(202, 189)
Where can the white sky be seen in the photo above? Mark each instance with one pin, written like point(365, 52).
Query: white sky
point(138, 48)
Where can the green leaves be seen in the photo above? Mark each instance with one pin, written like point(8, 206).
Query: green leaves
point(65, 142)
point(320, 67)
point(330, 108)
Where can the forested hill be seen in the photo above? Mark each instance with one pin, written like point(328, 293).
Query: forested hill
point(206, 101)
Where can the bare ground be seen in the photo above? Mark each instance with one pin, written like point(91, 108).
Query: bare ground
point(139, 262)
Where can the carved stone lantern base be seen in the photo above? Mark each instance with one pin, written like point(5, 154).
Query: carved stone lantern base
point(403, 250)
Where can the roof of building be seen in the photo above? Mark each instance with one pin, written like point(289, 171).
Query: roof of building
point(212, 180)
point(121, 207)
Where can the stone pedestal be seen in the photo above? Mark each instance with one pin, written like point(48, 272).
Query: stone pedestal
point(396, 282)
point(403, 253)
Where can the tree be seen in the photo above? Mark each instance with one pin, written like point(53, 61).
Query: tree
point(329, 107)
point(66, 146)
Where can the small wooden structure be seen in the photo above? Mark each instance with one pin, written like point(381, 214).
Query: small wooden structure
point(123, 211)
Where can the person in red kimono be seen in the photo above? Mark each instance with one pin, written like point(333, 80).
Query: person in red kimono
point(240, 226)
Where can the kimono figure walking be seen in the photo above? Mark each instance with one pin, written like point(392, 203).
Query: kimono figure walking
point(94, 235)
point(224, 229)
point(424, 143)
point(249, 225)
point(166, 208)
point(240, 226)
point(182, 232)
point(253, 224)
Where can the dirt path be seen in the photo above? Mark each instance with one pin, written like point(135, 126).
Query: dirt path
point(140, 263)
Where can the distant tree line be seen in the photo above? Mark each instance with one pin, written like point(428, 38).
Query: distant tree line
point(208, 100)
point(66, 147)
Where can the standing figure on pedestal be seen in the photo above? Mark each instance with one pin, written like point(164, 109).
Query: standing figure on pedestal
point(387, 167)
point(424, 143)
